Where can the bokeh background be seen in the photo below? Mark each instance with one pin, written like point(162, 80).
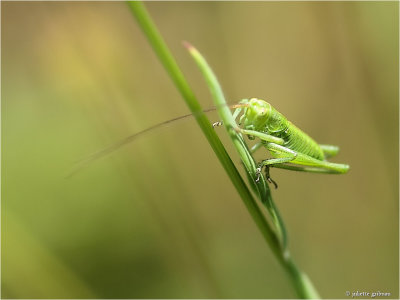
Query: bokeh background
point(159, 218)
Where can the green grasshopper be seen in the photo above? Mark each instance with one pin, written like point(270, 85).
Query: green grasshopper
point(291, 148)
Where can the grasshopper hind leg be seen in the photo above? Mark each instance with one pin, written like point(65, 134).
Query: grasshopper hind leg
point(291, 160)
point(303, 162)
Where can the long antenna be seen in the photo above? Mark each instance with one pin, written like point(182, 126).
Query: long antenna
point(110, 149)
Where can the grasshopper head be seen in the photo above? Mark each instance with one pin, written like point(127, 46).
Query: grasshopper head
point(256, 114)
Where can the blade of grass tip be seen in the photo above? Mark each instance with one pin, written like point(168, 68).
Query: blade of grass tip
point(303, 285)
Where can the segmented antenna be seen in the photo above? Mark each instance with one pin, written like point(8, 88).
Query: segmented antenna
point(110, 149)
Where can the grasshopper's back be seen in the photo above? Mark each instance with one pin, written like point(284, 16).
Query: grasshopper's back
point(295, 139)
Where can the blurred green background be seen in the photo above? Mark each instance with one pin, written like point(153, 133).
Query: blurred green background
point(159, 218)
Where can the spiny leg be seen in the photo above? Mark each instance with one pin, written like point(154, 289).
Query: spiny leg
point(312, 165)
point(301, 162)
point(274, 145)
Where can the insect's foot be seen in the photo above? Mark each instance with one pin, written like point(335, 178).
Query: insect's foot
point(258, 173)
point(217, 124)
point(269, 179)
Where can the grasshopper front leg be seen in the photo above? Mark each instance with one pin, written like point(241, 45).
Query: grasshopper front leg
point(262, 136)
